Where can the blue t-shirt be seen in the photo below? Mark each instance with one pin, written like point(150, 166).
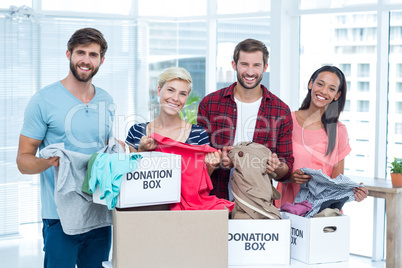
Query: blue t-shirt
point(198, 135)
point(54, 115)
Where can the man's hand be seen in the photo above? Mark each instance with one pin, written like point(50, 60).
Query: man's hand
point(54, 161)
point(226, 162)
point(273, 163)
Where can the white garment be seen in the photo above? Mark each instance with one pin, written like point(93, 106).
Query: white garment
point(247, 113)
point(246, 119)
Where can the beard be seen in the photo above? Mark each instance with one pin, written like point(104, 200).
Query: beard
point(240, 79)
point(82, 78)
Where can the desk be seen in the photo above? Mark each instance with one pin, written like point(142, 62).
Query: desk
point(380, 188)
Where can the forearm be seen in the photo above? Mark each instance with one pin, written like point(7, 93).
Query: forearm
point(30, 164)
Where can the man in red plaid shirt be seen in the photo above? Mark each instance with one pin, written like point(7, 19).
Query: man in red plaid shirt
point(247, 111)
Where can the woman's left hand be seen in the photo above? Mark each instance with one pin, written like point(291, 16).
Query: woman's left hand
point(360, 193)
point(213, 159)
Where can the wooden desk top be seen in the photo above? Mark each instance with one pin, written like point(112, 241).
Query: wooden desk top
point(378, 185)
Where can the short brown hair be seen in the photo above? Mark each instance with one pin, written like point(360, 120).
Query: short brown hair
point(251, 45)
point(87, 36)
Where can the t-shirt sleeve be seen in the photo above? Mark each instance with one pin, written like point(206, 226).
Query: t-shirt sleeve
point(284, 144)
point(35, 118)
point(135, 134)
point(343, 142)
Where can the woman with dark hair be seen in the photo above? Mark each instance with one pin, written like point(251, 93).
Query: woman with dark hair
point(319, 140)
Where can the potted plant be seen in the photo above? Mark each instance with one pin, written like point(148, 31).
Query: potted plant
point(396, 172)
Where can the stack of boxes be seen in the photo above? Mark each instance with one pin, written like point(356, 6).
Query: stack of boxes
point(145, 237)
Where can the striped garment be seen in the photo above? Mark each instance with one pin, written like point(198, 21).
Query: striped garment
point(198, 135)
point(323, 189)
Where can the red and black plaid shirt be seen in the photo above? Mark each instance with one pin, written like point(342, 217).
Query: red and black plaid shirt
point(218, 115)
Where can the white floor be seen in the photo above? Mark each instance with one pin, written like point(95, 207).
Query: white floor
point(25, 250)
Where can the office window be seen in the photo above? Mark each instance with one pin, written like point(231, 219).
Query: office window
point(340, 39)
point(121, 7)
point(231, 32)
point(398, 128)
point(347, 106)
point(313, 4)
point(19, 195)
point(363, 106)
point(172, 8)
point(328, 48)
point(342, 34)
point(398, 107)
point(22, 44)
point(363, 86)
point(395, 90)
point(399, 70)
point(363, 70)
point(181, 44)
point(398, 88)
point(346, 68)
point(17, 3)
point(241, 6)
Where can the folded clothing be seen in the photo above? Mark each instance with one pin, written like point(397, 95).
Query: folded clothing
point(300, 208)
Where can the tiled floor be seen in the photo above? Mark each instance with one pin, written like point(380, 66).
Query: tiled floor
point(25, 251)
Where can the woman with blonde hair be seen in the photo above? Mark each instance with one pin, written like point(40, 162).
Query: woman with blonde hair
point(174, 87)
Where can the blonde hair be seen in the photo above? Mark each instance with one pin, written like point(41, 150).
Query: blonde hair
point(173, 73)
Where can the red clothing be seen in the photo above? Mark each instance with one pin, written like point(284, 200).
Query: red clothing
point(218, 115)
point(195, 181)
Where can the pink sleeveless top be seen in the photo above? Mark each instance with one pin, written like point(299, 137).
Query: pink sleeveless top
point(309, 148)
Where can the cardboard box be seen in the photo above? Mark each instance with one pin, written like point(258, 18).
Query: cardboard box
point(178, 239)
point(259, 242)
point(311, 244)
point(157, 180)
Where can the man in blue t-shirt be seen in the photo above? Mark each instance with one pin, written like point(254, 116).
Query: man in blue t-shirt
point(80, 115)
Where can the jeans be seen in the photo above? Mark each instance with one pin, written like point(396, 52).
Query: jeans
point(87, 250)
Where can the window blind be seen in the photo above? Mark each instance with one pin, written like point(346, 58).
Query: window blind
point(32, 55)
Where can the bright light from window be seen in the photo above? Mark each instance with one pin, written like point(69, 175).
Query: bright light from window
point(121, 7)
point(172, 8)
point(313, 4)
point(241, 6)
point(17, 3)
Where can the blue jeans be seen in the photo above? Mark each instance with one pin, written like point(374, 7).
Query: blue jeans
point(87, 250)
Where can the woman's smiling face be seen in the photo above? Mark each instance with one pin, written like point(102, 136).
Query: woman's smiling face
point(173, 96)
point(324, 89)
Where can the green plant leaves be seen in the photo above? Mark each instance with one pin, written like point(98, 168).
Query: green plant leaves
point(396, 165)
point(190, 110)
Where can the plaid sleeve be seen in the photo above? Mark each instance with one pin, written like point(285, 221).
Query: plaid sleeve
point(284, 148)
